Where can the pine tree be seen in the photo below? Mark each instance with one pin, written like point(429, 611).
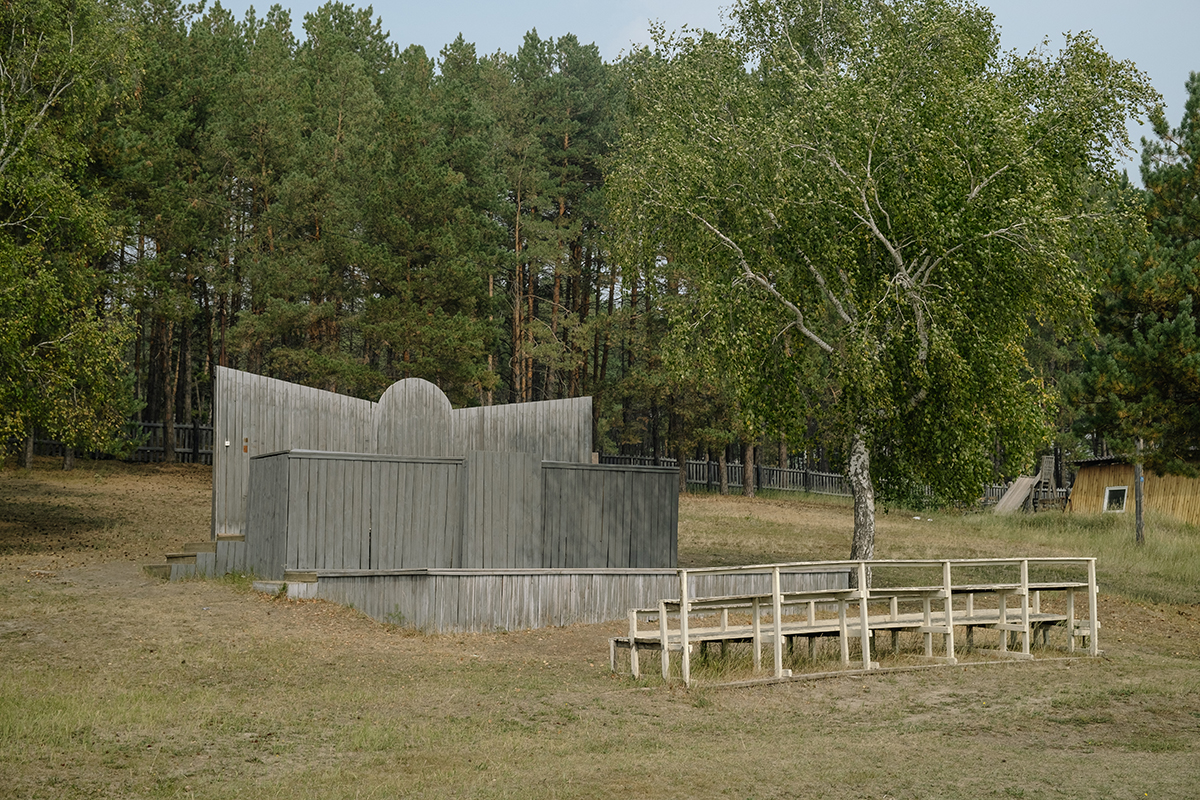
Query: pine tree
point(425, 314)
point(1143, 378)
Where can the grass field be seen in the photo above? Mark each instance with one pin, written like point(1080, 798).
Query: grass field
point(116, 685)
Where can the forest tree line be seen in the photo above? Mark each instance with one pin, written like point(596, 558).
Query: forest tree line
point(183, 190)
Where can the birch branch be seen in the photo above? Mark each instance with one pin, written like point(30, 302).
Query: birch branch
point(752, 276)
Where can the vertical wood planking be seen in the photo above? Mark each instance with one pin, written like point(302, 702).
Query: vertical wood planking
point(267, 513)
point(375, 504)
point(297, 511)
point(260, 415)
point(217, 520)
point(389, 540)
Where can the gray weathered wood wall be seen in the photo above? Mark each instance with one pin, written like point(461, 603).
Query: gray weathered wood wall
point(267, 511)
point(558, 430)
point(449, 601)
point(618, 517)
point(416, 512)
point(503, 508)
point(312, 510)
point(254, 415)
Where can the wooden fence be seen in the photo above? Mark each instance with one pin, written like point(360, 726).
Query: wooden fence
point(707, 474)
point(193, 443)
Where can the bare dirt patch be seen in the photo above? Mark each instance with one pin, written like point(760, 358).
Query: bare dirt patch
point(101, 511)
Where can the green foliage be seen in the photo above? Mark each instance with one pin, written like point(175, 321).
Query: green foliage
point(1143, 377)
point(61, 342)
point(870, 214)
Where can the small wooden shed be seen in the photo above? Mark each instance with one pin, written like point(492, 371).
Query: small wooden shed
point(1105, 485)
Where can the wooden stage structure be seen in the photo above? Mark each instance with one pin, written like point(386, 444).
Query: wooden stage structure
point(437, 518)
point(989, 594)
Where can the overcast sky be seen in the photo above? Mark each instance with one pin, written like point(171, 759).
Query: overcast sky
point(1159, 38)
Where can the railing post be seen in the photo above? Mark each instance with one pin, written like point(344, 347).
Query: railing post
point(1071, 620)
point(686, 662)
point(1093, 618)
point(1025, 634)
point(949, 586)
point(662, 639)
point(864, 592)
point(843, 633)
point(756, 633)
point(777, 610)
point(633, 650)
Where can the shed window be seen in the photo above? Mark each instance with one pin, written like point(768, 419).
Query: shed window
point(1114, 498)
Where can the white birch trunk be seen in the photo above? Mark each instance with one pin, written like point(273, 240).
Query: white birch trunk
point(859, 473)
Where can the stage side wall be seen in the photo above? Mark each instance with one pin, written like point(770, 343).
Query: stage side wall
point(258, 415)
point(489, 510)
point(268, 517)
point(557, 430)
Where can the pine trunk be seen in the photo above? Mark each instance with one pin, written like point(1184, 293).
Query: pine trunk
point(1140, 535)
point(168, 393)
point(25, 461)
point(681, 464)
point(723, 466)
point(748, 469)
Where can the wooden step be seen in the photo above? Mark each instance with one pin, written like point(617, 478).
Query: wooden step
point(200, 547)
point(181, 558)
point(231, 537)
point(162, 571)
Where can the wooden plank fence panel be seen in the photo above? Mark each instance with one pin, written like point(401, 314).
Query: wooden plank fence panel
point(355, 533)
point(392, 532)
point(306, 548)
point(436, 499)
point(376, 503)
point(669, 522)
point(410, 551)
point(383, 514)
point(297, 511)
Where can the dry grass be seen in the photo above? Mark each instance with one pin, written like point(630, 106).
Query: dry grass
point(114, 685)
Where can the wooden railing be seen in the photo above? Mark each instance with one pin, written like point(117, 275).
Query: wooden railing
point(941, 605)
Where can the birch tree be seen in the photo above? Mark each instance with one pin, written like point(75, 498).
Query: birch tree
point(889, 199)
point(62, 67)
